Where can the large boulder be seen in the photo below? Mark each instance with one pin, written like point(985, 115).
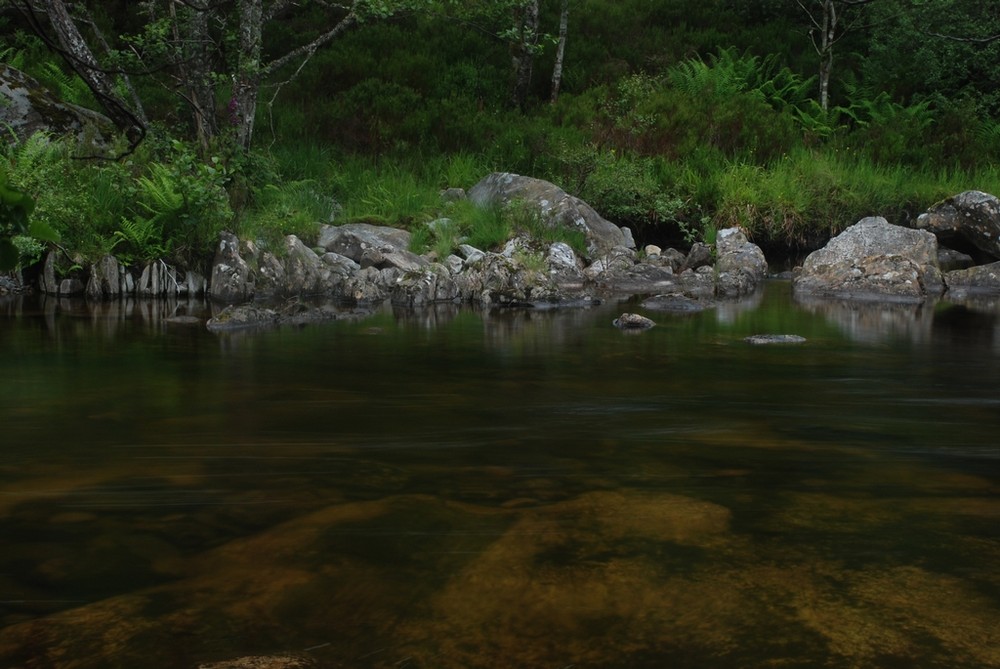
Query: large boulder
point(233, 280)
point(874, 259)
point(740, 265)
point(556, 207)
point(27, 107)
point(972, 216)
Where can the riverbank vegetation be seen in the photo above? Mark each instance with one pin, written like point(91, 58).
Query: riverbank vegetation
point(675, 118)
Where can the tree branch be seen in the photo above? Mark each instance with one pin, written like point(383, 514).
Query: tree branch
point(969, 40)
point(311, 47)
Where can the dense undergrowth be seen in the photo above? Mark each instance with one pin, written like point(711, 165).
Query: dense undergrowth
point(668, 133)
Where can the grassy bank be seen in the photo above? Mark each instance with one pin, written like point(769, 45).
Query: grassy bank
point(167, 202)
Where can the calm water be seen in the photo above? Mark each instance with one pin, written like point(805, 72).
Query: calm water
point(456, 489)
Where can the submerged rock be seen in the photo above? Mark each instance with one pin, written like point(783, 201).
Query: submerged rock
point(677, 304)
point(241, 316)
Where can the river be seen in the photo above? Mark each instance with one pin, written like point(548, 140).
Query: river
point(532, 488)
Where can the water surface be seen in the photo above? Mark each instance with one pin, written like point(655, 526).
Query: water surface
point(454, 489)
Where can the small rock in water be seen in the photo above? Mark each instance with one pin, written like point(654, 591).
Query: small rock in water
point(774, 339)
point(633, 322)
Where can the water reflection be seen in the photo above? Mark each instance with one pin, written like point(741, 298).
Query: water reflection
point(971, 320)
point(455, 488)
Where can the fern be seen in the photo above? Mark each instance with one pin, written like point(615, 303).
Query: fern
point(159, 193)
point(142, 239)
point(728, 73)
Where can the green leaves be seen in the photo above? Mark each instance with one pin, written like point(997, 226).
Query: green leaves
point(15, 221)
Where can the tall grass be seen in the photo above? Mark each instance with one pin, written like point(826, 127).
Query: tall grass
point(810, 194)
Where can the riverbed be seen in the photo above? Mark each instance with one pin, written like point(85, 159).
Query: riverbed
point(457, 488)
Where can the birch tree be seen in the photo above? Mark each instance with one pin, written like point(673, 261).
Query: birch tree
point(830, 21)
point(557, 67)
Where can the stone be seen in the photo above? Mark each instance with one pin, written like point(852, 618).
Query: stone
point(105, 279)
point(27, 107)
point(232, 280)
point(972, 216)
point(47, 281)
point(453, 194)
point(430, 286)
point(71, 286)
point(700, 255)
point(950, 259)
point(629, 321)
point(242, 316)
point(978, 279)
point(353, 239)
point(557, 208)
point(194, 283)
point(563, 263)
point(652, 250)
point(874, 259)
point(765, 339)
point(470, 253)
point(740, 266)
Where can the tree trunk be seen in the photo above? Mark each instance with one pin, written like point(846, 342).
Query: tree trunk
point(191, 28)
point(560, 51)
point(827, 39)
point(79, 56)
point(524, 49)
point(246, 82)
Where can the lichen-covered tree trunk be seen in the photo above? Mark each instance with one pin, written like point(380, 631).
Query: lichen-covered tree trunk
point(246, 82)
point(82, 60)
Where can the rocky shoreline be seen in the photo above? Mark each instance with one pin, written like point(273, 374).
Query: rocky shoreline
point(364, 265)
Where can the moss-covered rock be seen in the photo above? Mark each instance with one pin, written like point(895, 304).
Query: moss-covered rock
point(27, 107)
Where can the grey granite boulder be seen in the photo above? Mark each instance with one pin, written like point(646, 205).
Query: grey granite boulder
point(873, 259)
point(233, 280)
point(740, 266)
point(972, 216)
point(556, 207)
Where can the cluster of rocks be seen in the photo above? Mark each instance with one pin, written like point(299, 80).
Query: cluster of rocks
point(875, 260)
point(364, 264)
